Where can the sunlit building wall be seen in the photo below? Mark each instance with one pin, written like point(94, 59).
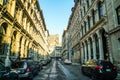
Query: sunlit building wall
point(22, 30)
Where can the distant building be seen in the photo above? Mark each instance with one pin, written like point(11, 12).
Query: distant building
point(53, 41)
point(57, 52)
point(65, 51)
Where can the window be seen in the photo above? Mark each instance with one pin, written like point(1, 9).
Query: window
point(82, 30)
point(4, 2)
point(100, 10)
point(88, 18)
point(84, 10)
point(97, 46)
point(80, 2)
point(85, 26)
point(88, 4)
point(81, 15)
point(93, 16)
point(119, 44)
point(118, 14)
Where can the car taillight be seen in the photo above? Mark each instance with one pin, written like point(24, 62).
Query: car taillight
point(98, 67)
point(28, 69)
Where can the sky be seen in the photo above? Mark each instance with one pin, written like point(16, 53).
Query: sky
point(56, 14)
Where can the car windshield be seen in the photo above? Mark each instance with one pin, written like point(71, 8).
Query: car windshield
point(105, 64)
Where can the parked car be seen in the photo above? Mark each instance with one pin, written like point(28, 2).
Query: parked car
point(66, 61)
point(6, 73)
point(25, 68)
point(38, 65)
point(43, 62)
point(101, 69)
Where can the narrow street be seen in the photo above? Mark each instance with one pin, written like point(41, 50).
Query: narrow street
point(57, 71)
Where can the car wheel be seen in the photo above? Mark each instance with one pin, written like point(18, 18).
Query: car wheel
point(30, 77)
point(93, 77)
point(16, 79)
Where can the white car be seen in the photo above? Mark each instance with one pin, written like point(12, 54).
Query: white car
point(66, 61)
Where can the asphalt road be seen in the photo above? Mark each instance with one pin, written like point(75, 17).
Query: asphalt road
point(57, 71)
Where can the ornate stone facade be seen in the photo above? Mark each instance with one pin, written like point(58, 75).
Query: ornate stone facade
point(92, 33)
point(65, 52)
point(23, 31)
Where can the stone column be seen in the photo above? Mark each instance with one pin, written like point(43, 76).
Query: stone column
point(100, 46)
point(7, 42)
point(85, 53)
point(22, 47)
point(82, 56)
point(13, 4)
point(89, 50)
point(94, 48)
point(7, 60)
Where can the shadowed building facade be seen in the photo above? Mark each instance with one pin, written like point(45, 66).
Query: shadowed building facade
point(93, 31)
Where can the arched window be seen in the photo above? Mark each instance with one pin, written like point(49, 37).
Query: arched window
point(100, 10)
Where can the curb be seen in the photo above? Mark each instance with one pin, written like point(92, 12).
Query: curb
point(75, 64)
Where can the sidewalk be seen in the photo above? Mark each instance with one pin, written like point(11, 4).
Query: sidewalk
point(75, 64)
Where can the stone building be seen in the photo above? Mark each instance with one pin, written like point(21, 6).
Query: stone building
point(93, 30)
point(53, 41)
point(23, 31)
point(113, 12)
point(65, 52)
point(56, 54)
point(73, 35)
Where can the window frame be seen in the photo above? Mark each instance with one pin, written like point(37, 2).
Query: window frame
point(118, 14)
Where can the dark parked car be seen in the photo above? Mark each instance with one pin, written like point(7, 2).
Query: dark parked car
point(100, 70)
point(38, 65)
point(44, 62)
point(8, 74)
point(25, 68)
